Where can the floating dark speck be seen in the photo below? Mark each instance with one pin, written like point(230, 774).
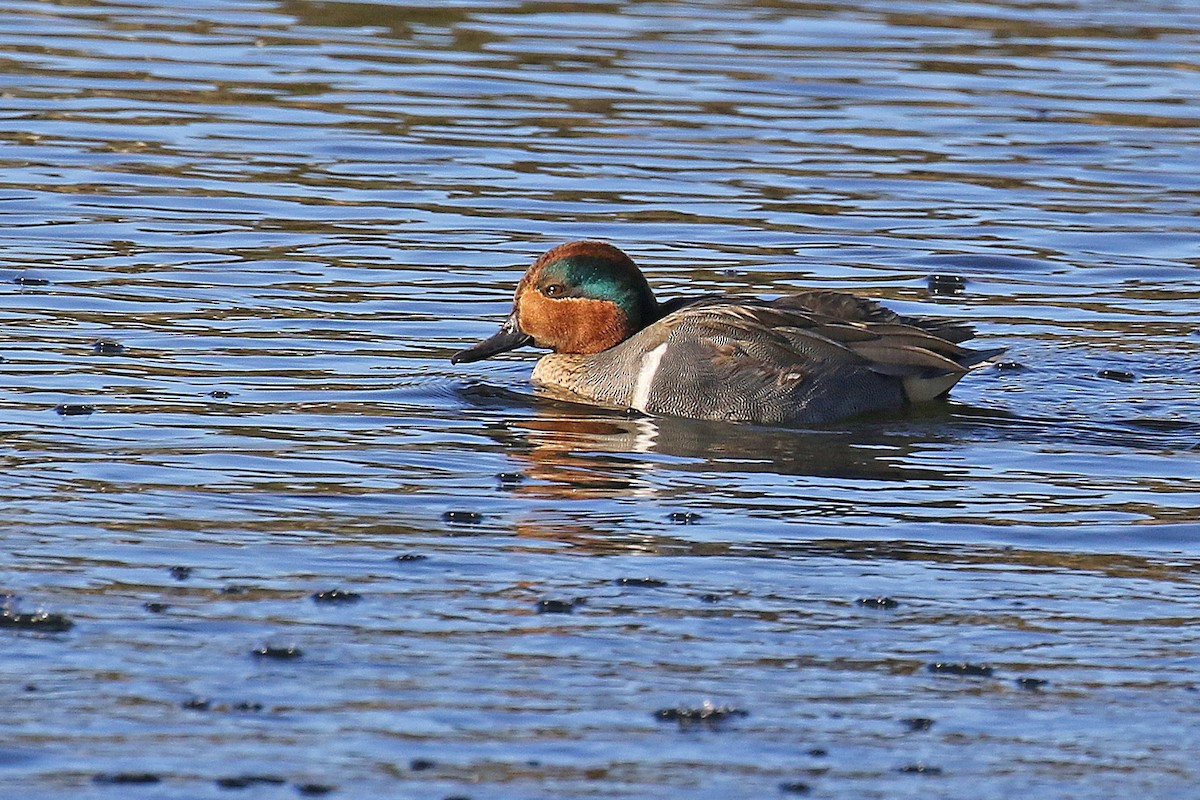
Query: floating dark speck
point(919, 769)
point(336, 596)
point(245, 781)
point(156, 608)
point(555, 606)
point(962, 668)
point(180, 573)
point(946, 284)
point(277, 653)
point(74, 409)
point(204, 704)
point(313, 789)
point(684, 517)
point(108, 347)
point(126, 778)
point(916, 724)
point(642, 583)
point(421, 764)
point(463, 517)
point(707, 714)
point(818, 752)
point(1032, 684)
point(795, 787)
point(877, 602)
point(1116, 375)
point(41, 621)
point(711, 598)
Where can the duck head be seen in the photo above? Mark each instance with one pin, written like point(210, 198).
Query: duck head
point(581, 297)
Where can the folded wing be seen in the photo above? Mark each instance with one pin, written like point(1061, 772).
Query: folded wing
point(808, 357)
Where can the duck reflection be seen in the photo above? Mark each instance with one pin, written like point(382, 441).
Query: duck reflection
point(583, 451)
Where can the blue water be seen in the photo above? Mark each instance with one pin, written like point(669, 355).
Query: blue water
point(289, 215)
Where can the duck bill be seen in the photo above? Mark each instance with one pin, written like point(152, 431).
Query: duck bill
point(509, 337)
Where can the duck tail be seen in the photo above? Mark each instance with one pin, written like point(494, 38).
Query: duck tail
point(923, 388)
point(977, 358)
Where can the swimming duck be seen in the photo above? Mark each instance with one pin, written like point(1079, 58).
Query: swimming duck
point(811, 357)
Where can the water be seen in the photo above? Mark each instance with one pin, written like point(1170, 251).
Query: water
point(286, 217)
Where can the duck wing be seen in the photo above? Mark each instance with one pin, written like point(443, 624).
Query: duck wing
point(804, 358)
point(846, 307)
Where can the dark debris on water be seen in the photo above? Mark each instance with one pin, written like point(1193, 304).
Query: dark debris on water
point(557, 606)
point(919, 769)
point(126, 778)
point(108, 347)
point(41, 621)
point(74, 409)
point(916, 724)
point(962, 668)
point(246, 781)
point(877, 602)
point(462, 517)
point(305, 789)
point(946, 284)
point(642, 583)
point(204, 704)
point(278, 653)
point(707, 715)
point(336, 596)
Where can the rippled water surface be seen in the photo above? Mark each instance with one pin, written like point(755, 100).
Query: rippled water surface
point(247, 236)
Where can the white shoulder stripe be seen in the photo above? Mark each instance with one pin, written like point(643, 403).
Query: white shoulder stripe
point(645, 377)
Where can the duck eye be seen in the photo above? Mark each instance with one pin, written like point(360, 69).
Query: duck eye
point(553, 290)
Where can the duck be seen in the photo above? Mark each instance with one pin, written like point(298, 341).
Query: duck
point(811, 357)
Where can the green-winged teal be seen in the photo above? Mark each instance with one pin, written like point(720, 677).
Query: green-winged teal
point(811, 357)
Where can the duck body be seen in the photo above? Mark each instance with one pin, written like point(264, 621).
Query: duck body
point(807, 358)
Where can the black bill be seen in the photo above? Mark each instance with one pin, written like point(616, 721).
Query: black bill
point(509, 337)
